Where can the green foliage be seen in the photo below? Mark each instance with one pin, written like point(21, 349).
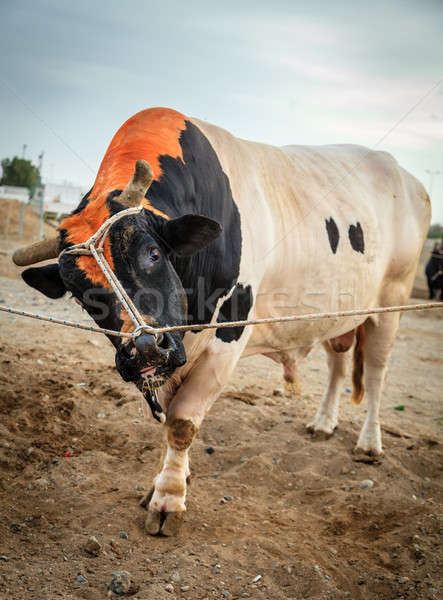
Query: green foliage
point(21, 172)
point(435, 231)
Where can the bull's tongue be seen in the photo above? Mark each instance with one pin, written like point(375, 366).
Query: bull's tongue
point(147, 371)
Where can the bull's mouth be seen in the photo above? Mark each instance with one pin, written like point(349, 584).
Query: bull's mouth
point(153, 377)
point(146, 373)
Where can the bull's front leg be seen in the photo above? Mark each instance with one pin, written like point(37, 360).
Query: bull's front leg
point(166, 501)
point(184, 415)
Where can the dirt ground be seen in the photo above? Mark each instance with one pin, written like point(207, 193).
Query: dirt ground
point(272, 512)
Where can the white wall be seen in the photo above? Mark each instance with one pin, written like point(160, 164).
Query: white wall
point(61, 198)
point(12, 192)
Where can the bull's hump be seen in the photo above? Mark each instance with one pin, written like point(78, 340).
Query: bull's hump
point(147, 135)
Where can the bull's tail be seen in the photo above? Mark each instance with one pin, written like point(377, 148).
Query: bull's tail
point(358, 388)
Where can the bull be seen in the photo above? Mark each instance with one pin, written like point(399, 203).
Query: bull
point(233, 229)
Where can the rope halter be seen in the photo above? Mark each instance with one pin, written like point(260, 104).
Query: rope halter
point(94, 247)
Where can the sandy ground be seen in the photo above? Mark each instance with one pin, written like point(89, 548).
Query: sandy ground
point(296, 523)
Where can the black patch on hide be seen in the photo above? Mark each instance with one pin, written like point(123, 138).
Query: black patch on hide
point(236, 308)
point(333, 234)
point(356, 238)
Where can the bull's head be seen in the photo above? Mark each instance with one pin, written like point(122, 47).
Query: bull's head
point(142, 249)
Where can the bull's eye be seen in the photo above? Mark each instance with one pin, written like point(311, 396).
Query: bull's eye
point(154, 254)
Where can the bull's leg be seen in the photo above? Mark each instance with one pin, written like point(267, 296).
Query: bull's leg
point(326, 419)
point(185, 413)
point(167, 497)
point(378, 345)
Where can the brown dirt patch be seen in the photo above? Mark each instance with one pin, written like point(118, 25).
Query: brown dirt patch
point(298, 517)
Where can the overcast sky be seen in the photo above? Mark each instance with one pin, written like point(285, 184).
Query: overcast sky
point(279, 72)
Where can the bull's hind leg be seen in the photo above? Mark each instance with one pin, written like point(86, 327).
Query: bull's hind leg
point(378, 346)
point(326, 419)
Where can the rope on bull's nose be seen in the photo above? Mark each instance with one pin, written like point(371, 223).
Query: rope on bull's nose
point(140, 328)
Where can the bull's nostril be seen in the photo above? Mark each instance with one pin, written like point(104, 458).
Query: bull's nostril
point(168, 342)
point(154, 349)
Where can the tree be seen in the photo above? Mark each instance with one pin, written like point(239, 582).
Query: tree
point(435, 230)
point(21, 172)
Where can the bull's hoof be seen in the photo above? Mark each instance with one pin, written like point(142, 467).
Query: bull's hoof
point(371, 451)
point(164, 523)
point(161, 522)
point(172, 523)
point(320, 433)
point(369, 441)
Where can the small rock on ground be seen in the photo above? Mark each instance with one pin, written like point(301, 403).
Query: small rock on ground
point(42, 483)
point(123, 584)
point(93, 546)
point(366, 484)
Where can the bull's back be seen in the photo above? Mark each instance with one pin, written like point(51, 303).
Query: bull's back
point(368, 187)
point(323, 227)
point(286, 194)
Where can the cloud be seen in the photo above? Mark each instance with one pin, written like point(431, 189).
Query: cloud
point(287, 72)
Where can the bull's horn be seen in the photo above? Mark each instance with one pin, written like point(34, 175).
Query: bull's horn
point(136, 189)
point(37, 252)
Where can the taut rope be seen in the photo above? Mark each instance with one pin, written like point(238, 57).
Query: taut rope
point(94, 247)
point(199, 327)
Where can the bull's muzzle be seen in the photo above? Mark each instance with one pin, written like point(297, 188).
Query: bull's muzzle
point(152, 349)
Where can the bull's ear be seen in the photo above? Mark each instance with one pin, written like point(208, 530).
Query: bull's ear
point(190, 233)
point(46, 280)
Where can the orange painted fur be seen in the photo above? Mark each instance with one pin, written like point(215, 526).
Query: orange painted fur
point(147, 135)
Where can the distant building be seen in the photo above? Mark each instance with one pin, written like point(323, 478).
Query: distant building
point(14, 192)
point(58, 198)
